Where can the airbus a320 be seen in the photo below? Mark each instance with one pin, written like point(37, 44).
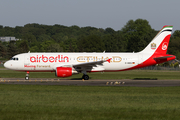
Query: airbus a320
point(67, 64)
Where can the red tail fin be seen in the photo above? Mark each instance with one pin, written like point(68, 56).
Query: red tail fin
point(162, 48)
point(160, 42)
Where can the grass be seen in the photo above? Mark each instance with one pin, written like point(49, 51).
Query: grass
point(40, 102)
point(159, 74)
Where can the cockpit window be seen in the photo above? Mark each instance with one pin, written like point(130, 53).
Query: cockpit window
point(15, 59)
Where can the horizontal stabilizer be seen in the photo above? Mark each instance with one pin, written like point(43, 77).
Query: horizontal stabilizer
point(163, 57)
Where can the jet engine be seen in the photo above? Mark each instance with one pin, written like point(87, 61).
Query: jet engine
point(65, 71)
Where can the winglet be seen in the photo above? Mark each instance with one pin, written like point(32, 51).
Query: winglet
point(109, 60)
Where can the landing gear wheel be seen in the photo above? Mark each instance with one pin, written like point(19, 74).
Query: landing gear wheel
point(85, 77)
point(27, 78)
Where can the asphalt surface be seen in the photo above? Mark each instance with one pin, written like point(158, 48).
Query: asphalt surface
point(137, 83)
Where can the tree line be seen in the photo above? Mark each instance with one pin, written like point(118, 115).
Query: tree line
point(134, 36)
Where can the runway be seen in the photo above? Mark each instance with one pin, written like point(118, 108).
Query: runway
point(136, 83)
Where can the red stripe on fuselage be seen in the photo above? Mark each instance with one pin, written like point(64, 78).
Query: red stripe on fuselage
point(149, 62)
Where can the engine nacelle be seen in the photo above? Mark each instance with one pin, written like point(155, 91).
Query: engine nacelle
point(65, 71)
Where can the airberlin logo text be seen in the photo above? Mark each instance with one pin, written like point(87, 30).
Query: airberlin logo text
point(43, 58)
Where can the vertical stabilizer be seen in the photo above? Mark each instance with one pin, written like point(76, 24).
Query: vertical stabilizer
point(160, 42)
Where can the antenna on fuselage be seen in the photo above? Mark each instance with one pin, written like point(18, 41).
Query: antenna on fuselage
point(104, 51)
point(29, 52)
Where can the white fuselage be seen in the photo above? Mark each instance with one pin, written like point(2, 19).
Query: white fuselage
point(49, 61)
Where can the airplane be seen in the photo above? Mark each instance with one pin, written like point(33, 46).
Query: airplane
point(67, 64)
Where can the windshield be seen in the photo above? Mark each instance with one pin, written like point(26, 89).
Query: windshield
point(14, 58)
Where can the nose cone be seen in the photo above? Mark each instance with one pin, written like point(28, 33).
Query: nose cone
point(7, 65)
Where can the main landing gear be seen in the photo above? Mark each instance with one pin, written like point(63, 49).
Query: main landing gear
point(85, 77)
point(27, 76)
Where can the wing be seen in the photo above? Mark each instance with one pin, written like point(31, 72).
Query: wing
point(88, 66)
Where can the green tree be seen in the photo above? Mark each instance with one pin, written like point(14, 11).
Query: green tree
point(30, 38)
point(114, 42)
point(54, 48)
point(35, 49)
point(3, 51)
point(44, 47)
point(23, 46)
point(8, 31)
point(91, 43)
point(18, 32)
point(138, 34)
point(109, 31)
point(12, 49)
point(43, 37)
point(134, 36)
point(71, 45)
point(1, 27)
point(176, 34)
point(58, 37)
point(174, 46)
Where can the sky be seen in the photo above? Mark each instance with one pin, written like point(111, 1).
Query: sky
point(95, 13)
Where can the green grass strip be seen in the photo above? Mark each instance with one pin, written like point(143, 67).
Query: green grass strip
point(40, 102)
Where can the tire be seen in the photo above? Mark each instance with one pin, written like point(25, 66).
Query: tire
point(27, 78)
point(86, 77)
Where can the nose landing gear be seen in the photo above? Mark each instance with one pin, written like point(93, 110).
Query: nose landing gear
point(27, 76)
